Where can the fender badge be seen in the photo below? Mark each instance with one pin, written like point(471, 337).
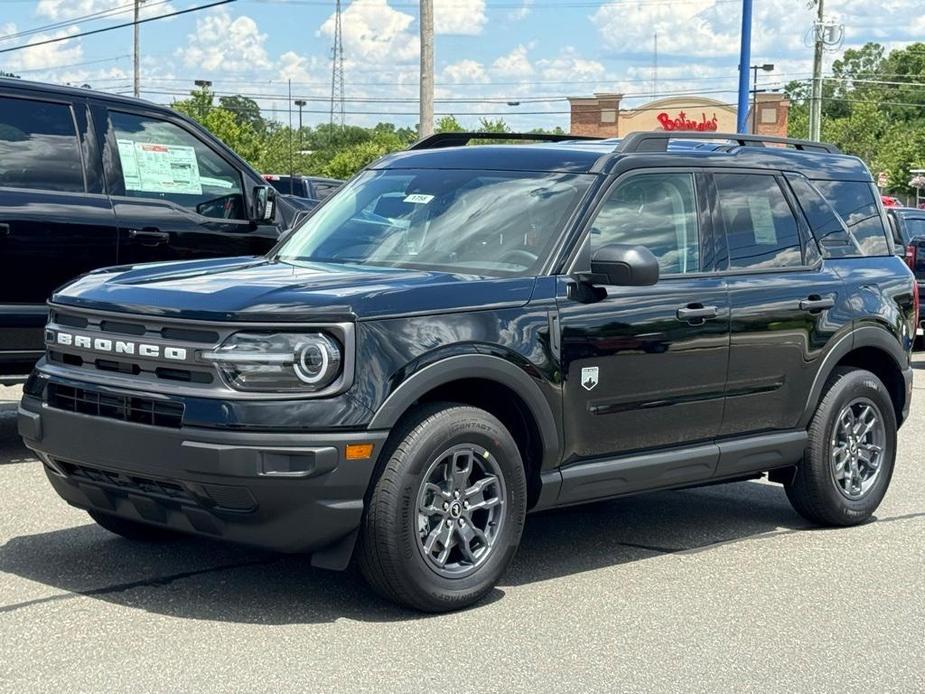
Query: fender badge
point(589, 377)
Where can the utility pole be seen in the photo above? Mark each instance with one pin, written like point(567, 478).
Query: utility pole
point(426, 121)
point(815, 106)
point(136, 68)
point(655, 65)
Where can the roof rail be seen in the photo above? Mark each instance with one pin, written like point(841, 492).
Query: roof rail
point(658, 141)
point(439, 140)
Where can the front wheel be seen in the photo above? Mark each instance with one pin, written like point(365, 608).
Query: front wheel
point(445, 516)
point(852, 448)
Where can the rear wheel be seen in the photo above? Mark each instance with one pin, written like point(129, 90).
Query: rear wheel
point(445, 516)
point(852, 447)
point(132, 530)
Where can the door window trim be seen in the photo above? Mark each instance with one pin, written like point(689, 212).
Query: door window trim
point(705, 219)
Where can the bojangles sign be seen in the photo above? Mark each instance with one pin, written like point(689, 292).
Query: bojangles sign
point(683, 122)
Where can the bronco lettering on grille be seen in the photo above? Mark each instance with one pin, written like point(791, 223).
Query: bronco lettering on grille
point(105, 344)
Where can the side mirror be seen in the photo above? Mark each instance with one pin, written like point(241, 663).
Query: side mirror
point(264, 204)
point(624, 265)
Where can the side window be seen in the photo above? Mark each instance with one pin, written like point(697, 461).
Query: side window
point(916, 227)
point(38, 146)
point(325, 190)
point(855, 203)
point(655, 210)
point(162, 160)
point(827, 227)
point(761, 231)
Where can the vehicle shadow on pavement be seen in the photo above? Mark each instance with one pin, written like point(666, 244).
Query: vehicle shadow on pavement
point(200, 579)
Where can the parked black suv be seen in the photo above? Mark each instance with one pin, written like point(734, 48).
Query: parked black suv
point(463, 334)
point(90, 179)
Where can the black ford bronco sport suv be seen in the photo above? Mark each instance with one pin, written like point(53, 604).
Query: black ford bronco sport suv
point(463, 334)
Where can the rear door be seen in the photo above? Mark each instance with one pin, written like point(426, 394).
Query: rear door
point(175, 196)
point(55, 220)
point(784, 302)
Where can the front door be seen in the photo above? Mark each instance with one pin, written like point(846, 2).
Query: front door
point(174, 196)
point(645, 367)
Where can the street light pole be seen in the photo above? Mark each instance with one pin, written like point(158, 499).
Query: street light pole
point(300, 103)
point(745, 59)
point(202, 84)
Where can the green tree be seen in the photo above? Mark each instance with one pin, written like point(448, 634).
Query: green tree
point(245, 110)
point(448, 124)
point(346, 162)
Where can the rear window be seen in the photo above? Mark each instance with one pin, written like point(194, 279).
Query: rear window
point(38, 146)
point(856, 204)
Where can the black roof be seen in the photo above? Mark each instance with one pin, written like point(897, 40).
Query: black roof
point(64, 90)
point(602, 155)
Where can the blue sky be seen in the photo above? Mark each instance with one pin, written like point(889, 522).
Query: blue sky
point(488, 52)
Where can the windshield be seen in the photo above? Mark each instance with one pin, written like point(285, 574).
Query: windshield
point(488, 222)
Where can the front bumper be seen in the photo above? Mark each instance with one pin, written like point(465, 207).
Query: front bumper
point(286, 492)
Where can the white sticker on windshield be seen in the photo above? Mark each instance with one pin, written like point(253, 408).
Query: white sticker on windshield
point(419, 198)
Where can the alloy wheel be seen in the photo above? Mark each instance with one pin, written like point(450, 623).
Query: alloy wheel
point(857, 444)
point(460, 510)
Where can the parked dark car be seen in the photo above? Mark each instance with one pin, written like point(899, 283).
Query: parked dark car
point(90, 179)
point(313, 188)
point(463, 334)
point(908, 227)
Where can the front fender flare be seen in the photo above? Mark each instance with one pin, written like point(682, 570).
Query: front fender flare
point(483, 366)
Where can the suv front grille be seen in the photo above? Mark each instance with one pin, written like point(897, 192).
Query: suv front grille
point(154, 368)
point(125, 408)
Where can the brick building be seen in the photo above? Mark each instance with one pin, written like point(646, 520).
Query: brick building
point(601, 115)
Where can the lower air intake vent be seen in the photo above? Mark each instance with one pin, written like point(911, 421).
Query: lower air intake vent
point(122, 407)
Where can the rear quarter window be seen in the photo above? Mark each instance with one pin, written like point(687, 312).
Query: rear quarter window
point(855, 203)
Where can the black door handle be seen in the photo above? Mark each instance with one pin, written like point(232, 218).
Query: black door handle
point(149, 237)
point(696, 312)
point(814, 303)
point(4, 229)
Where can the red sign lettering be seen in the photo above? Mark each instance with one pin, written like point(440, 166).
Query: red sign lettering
point(682, 122)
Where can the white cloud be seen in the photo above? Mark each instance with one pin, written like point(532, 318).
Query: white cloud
point(465, 72)
point(514, 64)
point(220, 42)
point(373, 31)
point(298, 68)
point(521, 12)
point(569, 66)
point(465, 17)
point(52, 55)
point(69, 9)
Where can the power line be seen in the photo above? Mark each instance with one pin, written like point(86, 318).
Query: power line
point(117, 26)
point(101, 14)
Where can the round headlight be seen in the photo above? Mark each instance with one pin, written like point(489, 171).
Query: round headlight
point(314, 360)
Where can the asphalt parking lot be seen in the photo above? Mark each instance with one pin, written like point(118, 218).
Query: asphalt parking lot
point(717, 589)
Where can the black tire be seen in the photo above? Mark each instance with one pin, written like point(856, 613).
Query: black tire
point(813, 491)
point(390, 554)
point(133, 530)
